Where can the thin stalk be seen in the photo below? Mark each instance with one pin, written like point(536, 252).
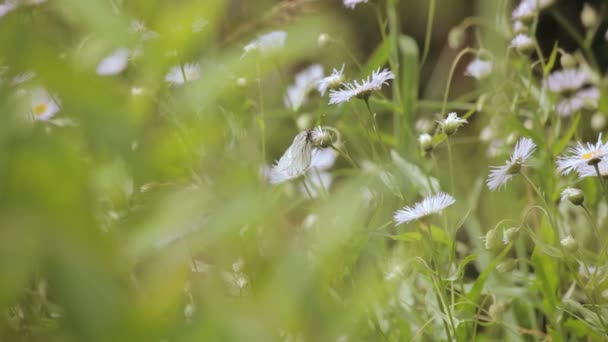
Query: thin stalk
point(429, 30)
point(601, 179)
point(451, 75)
point(375, 127)
point(450, 164)
point(262, 122)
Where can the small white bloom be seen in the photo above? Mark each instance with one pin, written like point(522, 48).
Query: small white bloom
point(305, 81)
point(524, 11)
point(352, 3)
point(429, 205)
point(589, 16)
point(115, 63)
point(323, 40)
point(177, 76)
point(569, 106)
point(295, 161)
point(451, 124)
point(522, 42)
point(266, 43)
point(589, 170)
point(576, 196)
point(500, 175)
point(24, 77)
point(320, 136)
point(519, 27)
point(323, 158)
point(479, 68)
point(566, 81)
point(43, 106)
point(332, 81)
point(426, 142)
point(582, 155)
point(361, 90)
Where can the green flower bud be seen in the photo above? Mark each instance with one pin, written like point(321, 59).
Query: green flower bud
point(567, 61)
point(510, 235)
point(506, 266)
point(589, 16)
point(456, 37)
point(575, 196)
point(492, 239)
point(426, 142)
point(569, 243)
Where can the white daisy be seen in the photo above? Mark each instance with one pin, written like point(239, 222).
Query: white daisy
point(566, 81)
point(361, 90)
point(115, 63)
point(266, 43)
point(430, 205)
point(43, 106)
point(569, 106)
point(352, 3)
point(7, 7)
point(323, 158)
point(332, 81)
point(295, 161)
point(479, 68)
point(500, 175)
point(522, 42)
point(582, 155)
point(589, 170)
point(575, 196)
point(175, 76)
point(451, 124)
point(305, 81)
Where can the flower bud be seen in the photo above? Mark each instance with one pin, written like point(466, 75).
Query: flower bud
point(456, 37)
point(304, 122)
point(575, 196)
point(567, 61)
point(589, 16)
point(492, 239)
point(451, 124)
point(506, 266)
point(598, 121)
point(323, 40)
point(497, 309)
point(426, 142)
point(510, 235)
point(569, 243)
point(241, 82)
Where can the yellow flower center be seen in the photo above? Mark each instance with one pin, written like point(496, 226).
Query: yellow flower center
point(589, 155)
point(40, 109)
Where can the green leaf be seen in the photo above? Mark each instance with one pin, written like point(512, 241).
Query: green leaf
point(563, 141)
point(424, 183)
point(439, 235)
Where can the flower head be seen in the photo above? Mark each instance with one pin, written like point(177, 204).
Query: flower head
point(479, 68)
point(43, 106)
point(361, 90)
point(295, 161)
point(426, 142)
point(522, 42)
point(429, 205)
point(305, 81)
point(500, 175)
point(352, 3)
point(524, 11)
point(566, 81)
point(332, 81)
point(266, 43)
point(582, 156)
point(115, 63)
point(177, 76)
point(451, 124)
point(7, 7)
point(575, 196)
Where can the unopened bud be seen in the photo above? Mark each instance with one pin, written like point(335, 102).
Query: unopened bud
point(426, 142)
point(497, 309)
point(323, 40)
point(456, 37)
point(598, 121)
point(569, 243)
point(506, 266)
point(304, 122)
point(492, 239)
point(241, 82)
point(575, 196)
point(589, 16)
point(567, 61)
point(510, 235)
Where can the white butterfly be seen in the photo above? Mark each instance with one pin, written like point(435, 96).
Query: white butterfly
point(295, 161)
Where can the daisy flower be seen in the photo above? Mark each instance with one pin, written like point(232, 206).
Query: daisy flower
point(305, 81)
point(191, 71)
point(332, 81)
point(451, 124)
point(430, 205)
point(296, 160)
point(361, 90)
point(575, 196)
point(583, 99)
point(266, 43)
point(522, 42)
point(589, 170)
point(500, 175)
point(581, 156)
point(115, 63)
point(352, 3)
point(566, 81)
point(43, 106)
point(479, 68)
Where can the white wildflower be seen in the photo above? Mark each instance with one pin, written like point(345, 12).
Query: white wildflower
point(428, 206)
point(352, 3)
point(451, 124)
point(178, 76)
point(525, 11)
point(305, 81)
point(479, 68)
point(7, 7)
point(575, 196)
point(115, 63)
point(332, 81)
point(320, 136)
point(519, 27)
point(323, 158)
point(522, 42)
point(266, 43)
point(361, 90)
point(43, 106)
point(295, 161)
point(500, 175)
point(581, 156)
point(426, 142)
point(589, 170)
point(566, 81)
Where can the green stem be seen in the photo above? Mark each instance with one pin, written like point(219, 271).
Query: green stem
point(429, 31)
